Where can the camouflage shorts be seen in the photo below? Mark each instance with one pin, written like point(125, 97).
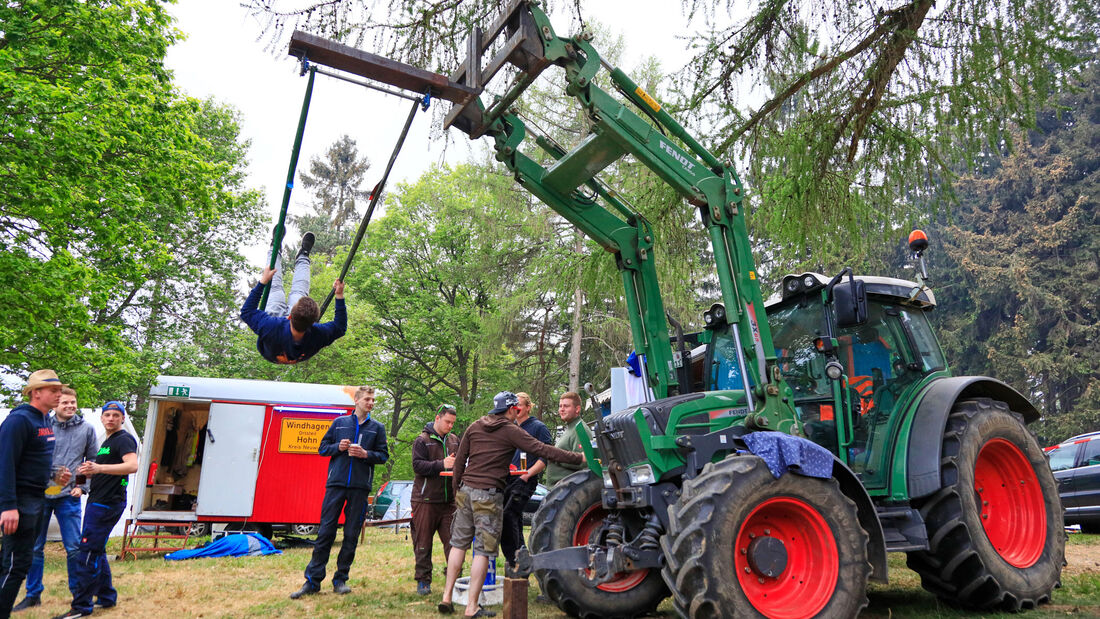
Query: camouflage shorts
point(479, 515)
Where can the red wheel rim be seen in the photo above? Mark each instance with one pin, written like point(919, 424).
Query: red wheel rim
point(813, 565)
point(1010, 499)
point(587, 531)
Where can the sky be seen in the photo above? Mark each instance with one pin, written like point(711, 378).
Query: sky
point(223, 57)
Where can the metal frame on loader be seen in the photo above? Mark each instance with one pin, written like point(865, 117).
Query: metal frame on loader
point(712, 492)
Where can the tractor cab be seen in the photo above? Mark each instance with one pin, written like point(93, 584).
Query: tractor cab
point(883, 360)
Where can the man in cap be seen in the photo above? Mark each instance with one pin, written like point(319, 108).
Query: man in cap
point(26, 453)
point(480, 471)
point(289, 332)
point(433, 501)
point(115, 460)
point(75, 441)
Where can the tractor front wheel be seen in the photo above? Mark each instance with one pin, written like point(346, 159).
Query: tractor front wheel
point(572, 514)
point(745, 544)
point(995, 526)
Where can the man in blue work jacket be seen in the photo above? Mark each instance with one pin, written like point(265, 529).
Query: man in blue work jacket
point(354, 444)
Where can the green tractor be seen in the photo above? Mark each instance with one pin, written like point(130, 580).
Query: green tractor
point(789, 446)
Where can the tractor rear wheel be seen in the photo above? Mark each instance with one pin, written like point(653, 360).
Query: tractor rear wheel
point(572, 514)
point(995, 526)
point(745, 544)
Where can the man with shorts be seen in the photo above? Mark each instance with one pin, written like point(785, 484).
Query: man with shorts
point(480, 472)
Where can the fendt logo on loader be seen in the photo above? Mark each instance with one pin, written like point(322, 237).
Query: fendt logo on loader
point(688, 164)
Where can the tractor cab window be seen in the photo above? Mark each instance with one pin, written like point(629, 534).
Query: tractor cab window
point(725, 373)
point(928, 352)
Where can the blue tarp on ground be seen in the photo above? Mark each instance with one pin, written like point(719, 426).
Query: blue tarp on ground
point(236, 545)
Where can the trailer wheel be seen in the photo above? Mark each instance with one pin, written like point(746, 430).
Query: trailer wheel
point(742, 543)
point(995, 526)
point(198, 529)
point(572, 514)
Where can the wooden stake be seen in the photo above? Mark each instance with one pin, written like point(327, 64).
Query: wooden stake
point(515, 598)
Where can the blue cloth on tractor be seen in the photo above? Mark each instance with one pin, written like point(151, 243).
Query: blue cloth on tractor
point(235, 545)
point(783, 452)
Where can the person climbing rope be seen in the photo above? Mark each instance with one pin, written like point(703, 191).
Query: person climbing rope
point(288, 332)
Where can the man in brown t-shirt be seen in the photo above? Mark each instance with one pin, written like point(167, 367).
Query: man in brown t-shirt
point(480, 472)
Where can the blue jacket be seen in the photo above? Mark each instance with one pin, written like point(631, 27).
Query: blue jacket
point(275, 342)
point(345, 471)
point(26, 451)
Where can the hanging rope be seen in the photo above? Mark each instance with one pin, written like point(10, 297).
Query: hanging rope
point(376, 195)
point(280, 226)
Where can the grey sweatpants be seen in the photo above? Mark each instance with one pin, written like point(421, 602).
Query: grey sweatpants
point(277, 303)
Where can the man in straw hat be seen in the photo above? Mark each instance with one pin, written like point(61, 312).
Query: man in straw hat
point(26, 453)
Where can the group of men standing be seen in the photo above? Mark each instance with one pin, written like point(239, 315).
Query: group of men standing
point(37, 449)
point(482, 504)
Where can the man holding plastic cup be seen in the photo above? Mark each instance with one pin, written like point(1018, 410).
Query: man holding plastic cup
point(354, 444)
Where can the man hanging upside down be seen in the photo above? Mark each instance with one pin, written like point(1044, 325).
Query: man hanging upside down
point(295, 335)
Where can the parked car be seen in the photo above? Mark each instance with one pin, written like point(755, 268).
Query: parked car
point(386, 495)
point(394, 488)
point(1076, 466)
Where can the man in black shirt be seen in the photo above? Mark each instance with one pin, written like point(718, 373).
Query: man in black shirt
point(116, 460)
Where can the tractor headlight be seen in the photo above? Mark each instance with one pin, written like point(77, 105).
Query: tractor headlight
point(607, 479)
point(640, 475)
point(834, 370)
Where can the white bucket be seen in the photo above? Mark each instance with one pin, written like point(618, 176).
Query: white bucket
point(491, 595)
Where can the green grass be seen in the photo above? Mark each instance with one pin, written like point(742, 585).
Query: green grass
point(382, 584)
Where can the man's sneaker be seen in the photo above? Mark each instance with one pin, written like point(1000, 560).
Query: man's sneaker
point(423, 587)
point(73, 614)
point(341, 588)
point(307, 244)
point(307, 589)
point(102, 604)
point(28, 602)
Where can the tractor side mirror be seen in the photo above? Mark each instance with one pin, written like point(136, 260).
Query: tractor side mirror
point(850, 301)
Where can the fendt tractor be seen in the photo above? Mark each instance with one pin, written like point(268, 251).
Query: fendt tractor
point(788, 447)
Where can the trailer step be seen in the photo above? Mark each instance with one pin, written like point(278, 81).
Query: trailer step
point(160, 533)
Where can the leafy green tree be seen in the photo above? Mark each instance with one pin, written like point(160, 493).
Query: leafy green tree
point(122, 203)
point(1019, 271)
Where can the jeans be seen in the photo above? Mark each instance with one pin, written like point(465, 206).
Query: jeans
point(93, 572)
point(16, 550)
point(353, 502)
point(67, 510)
point(277, 302)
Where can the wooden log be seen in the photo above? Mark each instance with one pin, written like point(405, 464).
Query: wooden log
point(515, 598)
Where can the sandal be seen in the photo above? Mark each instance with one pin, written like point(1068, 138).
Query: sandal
point(446, 608)
point(481, 612)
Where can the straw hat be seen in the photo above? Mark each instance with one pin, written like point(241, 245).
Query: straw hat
point(42, 378)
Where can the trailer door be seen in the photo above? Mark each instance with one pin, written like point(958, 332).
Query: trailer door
point(227, 484)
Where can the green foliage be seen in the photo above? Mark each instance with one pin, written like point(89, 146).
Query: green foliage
point(122, 204)
point(1019, 272)
point(868, 110)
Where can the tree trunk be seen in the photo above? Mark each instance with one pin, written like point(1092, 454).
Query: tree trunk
point(578, 333)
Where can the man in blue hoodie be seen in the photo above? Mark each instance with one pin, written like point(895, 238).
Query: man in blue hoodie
point(26, 452)
point(354, 444)
point(289, 332)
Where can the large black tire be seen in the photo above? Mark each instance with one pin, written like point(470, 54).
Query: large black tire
point(995, 526)
point(737, 502)
point(570, 515)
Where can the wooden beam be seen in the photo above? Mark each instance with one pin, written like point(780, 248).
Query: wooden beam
point(358, 62)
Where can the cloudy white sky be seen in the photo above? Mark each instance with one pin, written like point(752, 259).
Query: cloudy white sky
point(224, 58)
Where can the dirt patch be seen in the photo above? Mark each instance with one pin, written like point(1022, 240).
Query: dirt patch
point(1082, 558)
